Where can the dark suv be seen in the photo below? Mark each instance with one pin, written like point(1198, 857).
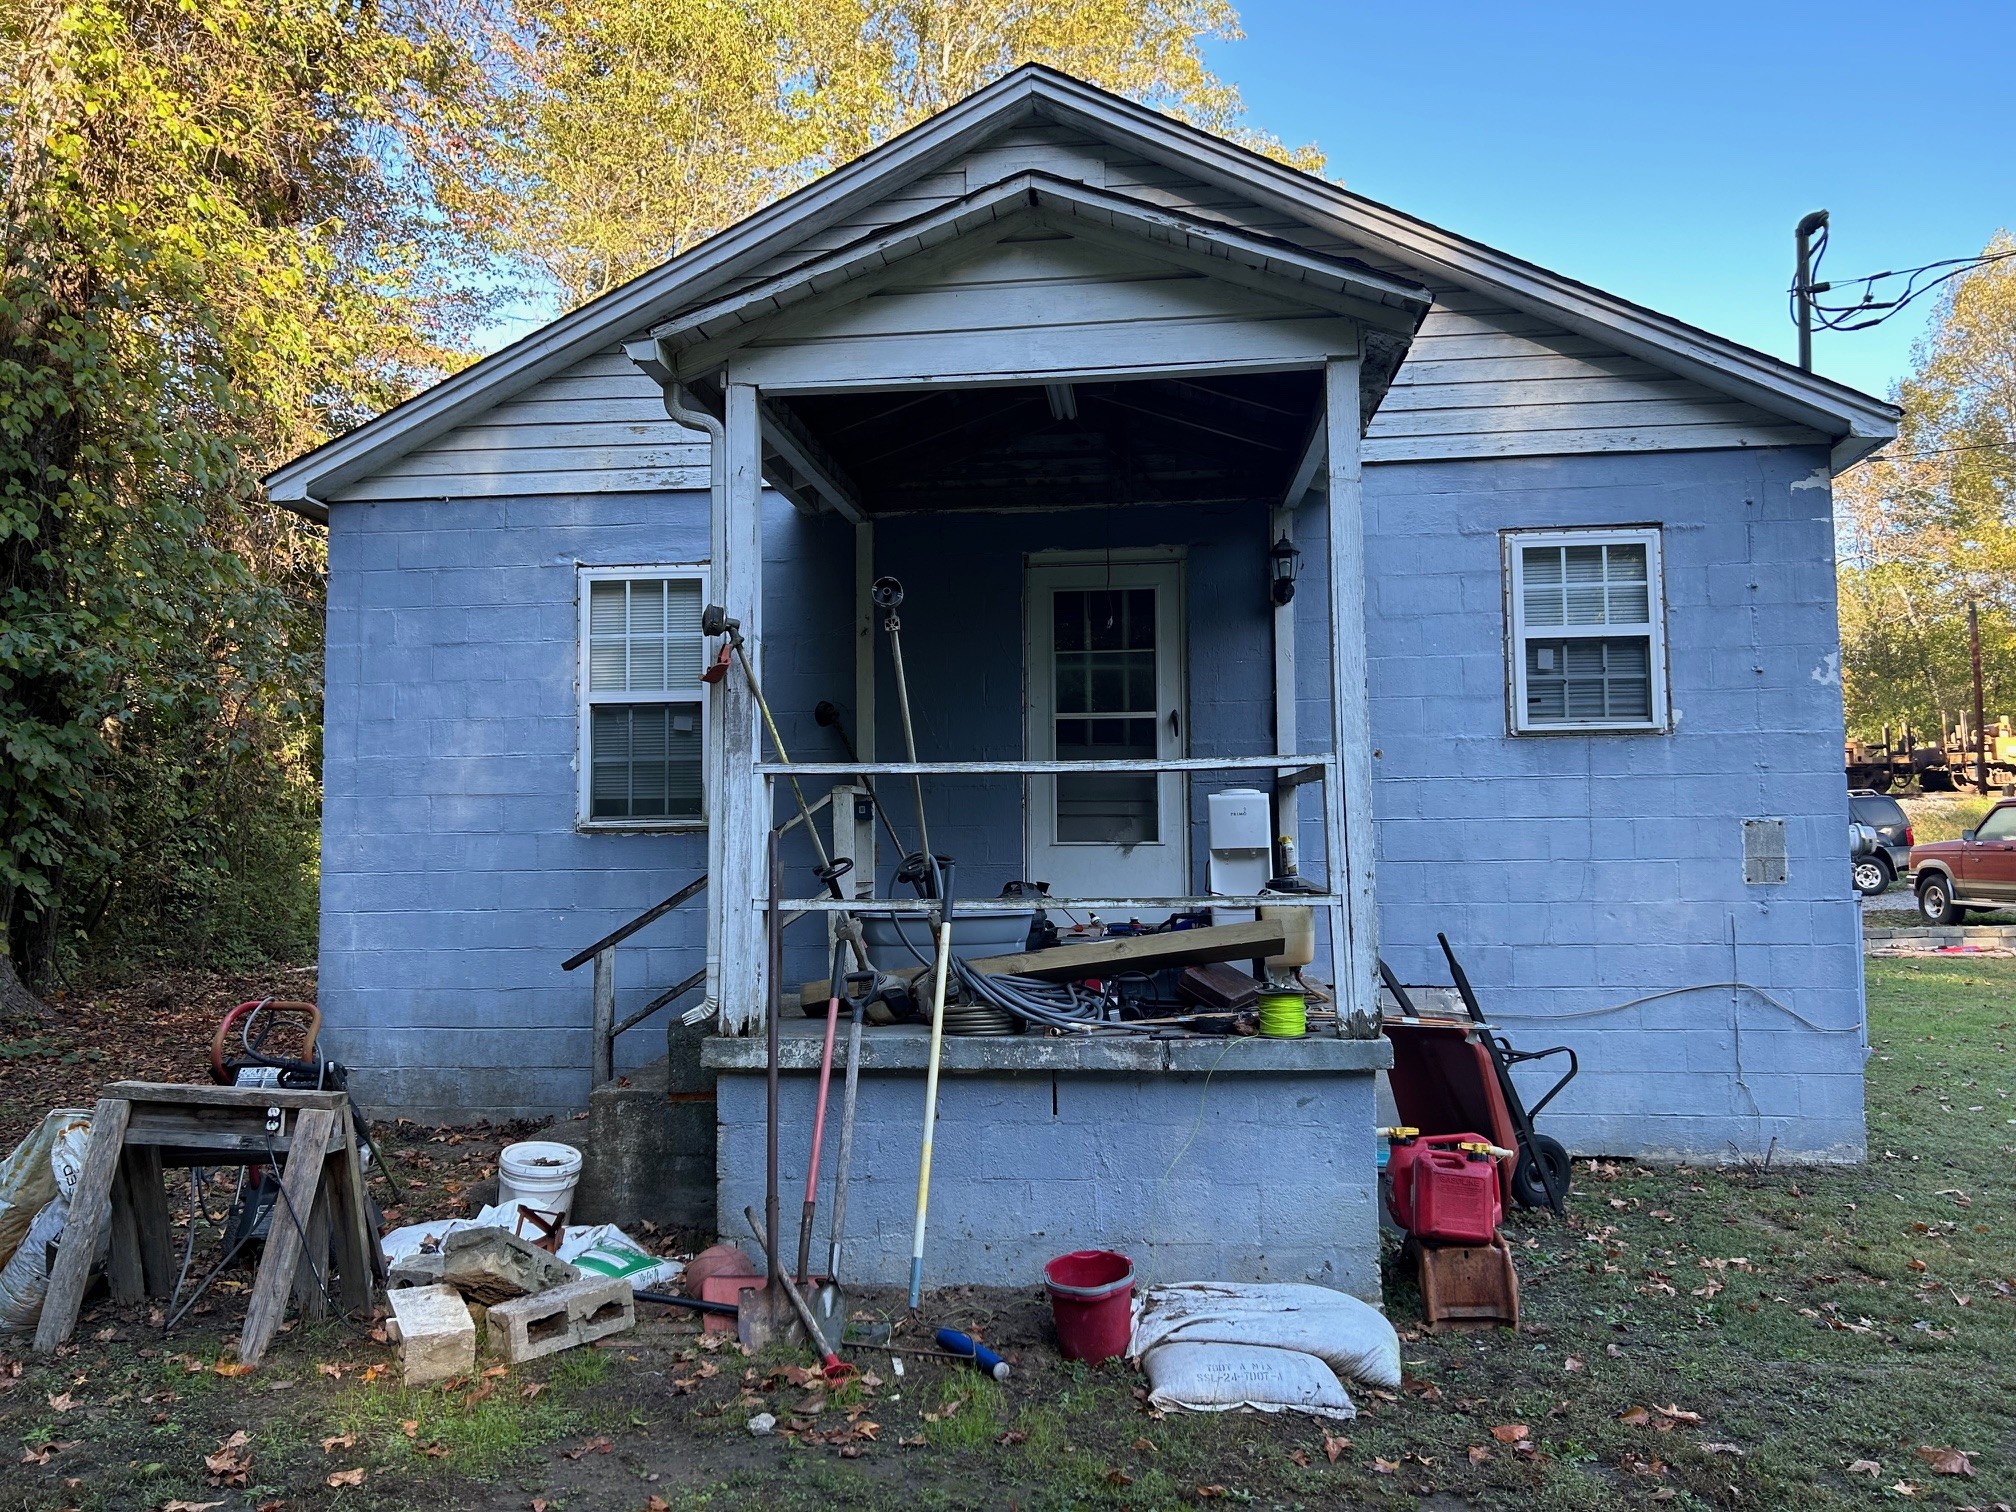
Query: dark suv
point(1890, 860)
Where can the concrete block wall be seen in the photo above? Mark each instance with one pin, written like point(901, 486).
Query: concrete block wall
point(1230, 1178)
point(455, 878)
point(1576, 872)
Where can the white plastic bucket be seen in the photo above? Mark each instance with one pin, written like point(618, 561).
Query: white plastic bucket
point(540, 1174)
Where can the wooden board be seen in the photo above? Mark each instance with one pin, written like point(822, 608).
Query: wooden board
point(1181, 947)
point(90, 1207)
point(218, 1097)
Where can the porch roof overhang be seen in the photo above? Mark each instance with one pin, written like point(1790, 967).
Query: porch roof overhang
point(695, 342)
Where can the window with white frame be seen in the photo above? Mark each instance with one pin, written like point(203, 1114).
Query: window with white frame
point(643, 709)
point(1588, 644)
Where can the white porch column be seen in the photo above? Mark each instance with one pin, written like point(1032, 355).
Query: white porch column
point(1354, 934)
point(737, 825)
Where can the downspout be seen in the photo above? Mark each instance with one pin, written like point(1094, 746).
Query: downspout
point(679, 405)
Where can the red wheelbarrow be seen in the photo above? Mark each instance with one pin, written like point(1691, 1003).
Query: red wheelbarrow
point(1452, 1075)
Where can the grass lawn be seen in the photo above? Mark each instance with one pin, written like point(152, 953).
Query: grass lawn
point(1824, 1326)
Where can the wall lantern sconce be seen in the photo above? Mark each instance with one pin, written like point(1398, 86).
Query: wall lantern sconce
point(1286, 561)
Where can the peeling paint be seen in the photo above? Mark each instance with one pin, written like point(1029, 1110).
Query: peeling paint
point(1818, 478)
point(1828, 673)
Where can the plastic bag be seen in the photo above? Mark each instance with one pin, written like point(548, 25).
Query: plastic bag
point(1221, 1377)
point(28, 1176)
point(1352, 1337)
point(602, 1249)
point(24, 1279)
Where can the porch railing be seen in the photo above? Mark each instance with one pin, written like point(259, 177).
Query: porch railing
point(1290, 773)
point(605, 1029)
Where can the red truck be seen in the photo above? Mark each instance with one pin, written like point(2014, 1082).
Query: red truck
point(1976, 871)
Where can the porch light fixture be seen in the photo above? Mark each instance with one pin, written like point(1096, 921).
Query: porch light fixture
point(1286, 561)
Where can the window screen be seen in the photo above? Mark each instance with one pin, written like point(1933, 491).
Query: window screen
point(643, 725)
point(1587, 648)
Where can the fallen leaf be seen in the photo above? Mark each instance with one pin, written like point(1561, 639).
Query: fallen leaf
point(1721, 1449)
point(62, 1402)
point(1011, 1438)
point(1573, 1362)
point(1665, 1494)
point(1914, 1264)
point(1333, 1447)
point(1904, 1487)
point(231, 1464)
point(1677, 1414)
point(339, 1441)
point(1119, 1477)
point(657, 1504)
point(1478, 1454)
point(189, 1506)
point(1206, 1493)
point(409, 1426)
point(1946, 1461)
point(1143, 1446)
point(340, 1478)
point(1865, 1467)
point(1635, 1417)
point(1384, 1466)
point(530, 1390)
point(1299, 1457)
point(334, 1372)
point(229, 1368)
point(1510, 1433)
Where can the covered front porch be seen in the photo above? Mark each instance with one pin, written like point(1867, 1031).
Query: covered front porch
point(1113, 458)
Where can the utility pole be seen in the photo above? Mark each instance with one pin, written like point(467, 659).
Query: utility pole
point(1802, 284)
point(1980, 724)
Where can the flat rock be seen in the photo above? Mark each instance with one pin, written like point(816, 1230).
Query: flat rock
point(437, 1337)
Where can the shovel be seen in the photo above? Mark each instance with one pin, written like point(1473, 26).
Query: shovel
point(830, 1304)
point(825, 1299)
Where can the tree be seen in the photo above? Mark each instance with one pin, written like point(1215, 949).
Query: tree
point(617, 133)
point(209, 262)
point(1931, 523)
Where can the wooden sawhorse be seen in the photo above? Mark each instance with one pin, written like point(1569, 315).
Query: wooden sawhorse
point(141, 1129)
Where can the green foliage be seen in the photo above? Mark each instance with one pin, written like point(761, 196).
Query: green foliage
point(1932, 524)
point(612, 134)
point(207, 266)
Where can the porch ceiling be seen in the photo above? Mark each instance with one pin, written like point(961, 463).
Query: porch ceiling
point(1204, 440)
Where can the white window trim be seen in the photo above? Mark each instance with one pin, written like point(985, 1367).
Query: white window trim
point(587, 700)
point(1513, 576)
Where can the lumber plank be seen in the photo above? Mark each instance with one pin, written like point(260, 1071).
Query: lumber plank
point(122, 1254)
point(149, 1197)
point(90, 1208)
point(283, 1239)
point(1180, 947)
point(356, 1241)
point(221, 1097)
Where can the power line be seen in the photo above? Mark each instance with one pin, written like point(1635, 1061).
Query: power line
point(1841, 317)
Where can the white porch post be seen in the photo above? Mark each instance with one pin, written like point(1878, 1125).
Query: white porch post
point(1354, 929)
point(735, 843)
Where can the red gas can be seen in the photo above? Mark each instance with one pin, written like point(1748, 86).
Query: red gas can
point(1445, 1186)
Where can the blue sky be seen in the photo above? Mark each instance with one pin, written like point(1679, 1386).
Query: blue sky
point(1664, 152)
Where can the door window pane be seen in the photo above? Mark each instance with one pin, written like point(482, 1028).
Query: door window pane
point(1103, 671)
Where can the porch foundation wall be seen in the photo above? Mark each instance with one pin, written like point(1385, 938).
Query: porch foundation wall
point(1259, 1177)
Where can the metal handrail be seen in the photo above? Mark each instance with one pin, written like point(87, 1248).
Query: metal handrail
point(1303, 768)
point(623, 932)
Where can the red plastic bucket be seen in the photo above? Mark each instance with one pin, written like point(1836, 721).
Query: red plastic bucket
point(1092, 1301)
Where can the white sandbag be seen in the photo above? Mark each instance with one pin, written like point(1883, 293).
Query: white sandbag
point(24, 1279)
point(28, 1175)
point(1220, 1377)
point(403, 1244)
point(1352, 1337)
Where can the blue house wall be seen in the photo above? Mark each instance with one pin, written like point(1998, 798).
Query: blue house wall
point(1572, 873)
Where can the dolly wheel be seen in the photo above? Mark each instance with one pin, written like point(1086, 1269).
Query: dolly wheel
point(1528, 1190)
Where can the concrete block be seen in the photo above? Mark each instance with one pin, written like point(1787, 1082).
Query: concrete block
point(436, 1335)
point(578, 1313)
point(493, 1266)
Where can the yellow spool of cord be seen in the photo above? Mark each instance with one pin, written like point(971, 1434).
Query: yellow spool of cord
point(1284, 1015)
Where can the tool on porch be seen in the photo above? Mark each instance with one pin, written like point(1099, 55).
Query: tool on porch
point(943, 965)
point(776, 1316)
point(1451, 1074)
point(887, 593)
point(714, 620)
point(831, 1365)
point(825, 1304)
point(826, 714)
point(1543, 1169)
point(861, 988)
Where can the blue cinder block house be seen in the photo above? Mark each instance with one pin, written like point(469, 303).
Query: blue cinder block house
point(1558, 677)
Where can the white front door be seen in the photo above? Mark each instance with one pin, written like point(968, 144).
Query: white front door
point(1105, 683)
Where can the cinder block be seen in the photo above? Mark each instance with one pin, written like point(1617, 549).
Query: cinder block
point(578, 1313)
point(437, 1337)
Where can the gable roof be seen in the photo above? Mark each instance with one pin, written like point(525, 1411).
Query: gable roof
point(1857, 422)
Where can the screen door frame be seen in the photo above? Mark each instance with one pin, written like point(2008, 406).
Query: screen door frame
point(1095, 869)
